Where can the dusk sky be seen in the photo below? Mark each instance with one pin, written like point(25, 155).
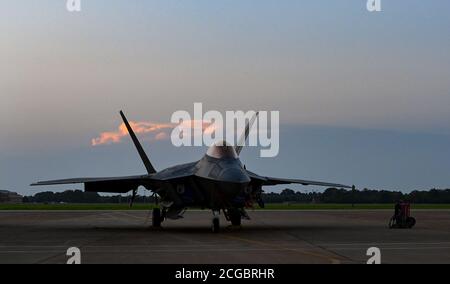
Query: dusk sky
point(363, 97)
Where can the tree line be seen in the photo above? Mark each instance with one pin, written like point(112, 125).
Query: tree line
point(80, 197)
point(331, 195)
point(366, 196)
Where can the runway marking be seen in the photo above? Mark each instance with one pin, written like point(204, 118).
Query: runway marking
point(383, 244)
point(295, 236)
point(195, 250)
point(47, 236)
point(405, 248)
point(330, 259)
point(432, 246)
point(108, 215)
point(128, 246)
point(126, 214)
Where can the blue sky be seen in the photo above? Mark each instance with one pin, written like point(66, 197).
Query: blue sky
point(324, 64)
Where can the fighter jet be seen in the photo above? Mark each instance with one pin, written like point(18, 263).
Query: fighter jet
point(219, 182)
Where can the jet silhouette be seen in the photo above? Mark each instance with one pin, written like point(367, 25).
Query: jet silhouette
point(219, 181)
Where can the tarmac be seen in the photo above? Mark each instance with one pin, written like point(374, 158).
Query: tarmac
point(271, 237)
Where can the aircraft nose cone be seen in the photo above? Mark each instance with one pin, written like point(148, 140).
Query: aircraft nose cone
point(234, 175)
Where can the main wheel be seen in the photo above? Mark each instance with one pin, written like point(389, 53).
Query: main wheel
point(235, 218)
point(157, 219)
point(410, 222)
point(215, 225)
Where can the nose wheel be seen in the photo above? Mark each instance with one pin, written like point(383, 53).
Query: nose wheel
point(157, 218)
point(215, 222)
point(236, 218)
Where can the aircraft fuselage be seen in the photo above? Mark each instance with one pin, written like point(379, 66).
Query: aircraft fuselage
point(215, 184)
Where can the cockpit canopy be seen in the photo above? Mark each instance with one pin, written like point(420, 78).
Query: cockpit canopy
point(222, 150)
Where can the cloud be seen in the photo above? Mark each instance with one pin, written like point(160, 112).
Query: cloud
point(161, 136)
point(143, 127)
point(150, 130)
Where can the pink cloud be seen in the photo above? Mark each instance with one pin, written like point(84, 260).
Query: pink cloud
point(151, 130)
point(114, 137)
point(161, 136)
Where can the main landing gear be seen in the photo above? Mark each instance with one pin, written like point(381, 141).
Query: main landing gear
point(232, 215)
point(235, 217)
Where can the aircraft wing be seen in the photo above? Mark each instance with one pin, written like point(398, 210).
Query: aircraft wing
point(107, 184)
point(116, 184)
point(276, 181)
point(87, 180)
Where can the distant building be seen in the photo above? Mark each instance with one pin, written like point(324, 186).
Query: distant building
point(10, 197)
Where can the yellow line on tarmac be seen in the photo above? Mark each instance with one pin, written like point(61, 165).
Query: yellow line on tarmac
point(261, 243)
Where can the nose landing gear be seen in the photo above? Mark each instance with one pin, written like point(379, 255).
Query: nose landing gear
point(215, 222)
point(235, 217)
point(157, 218)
